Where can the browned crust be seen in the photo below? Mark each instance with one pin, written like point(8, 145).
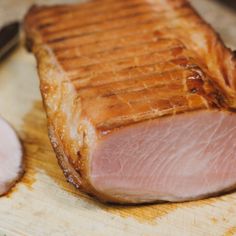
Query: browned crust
point(223, 96)
point(217, 47)
point(77, 177)
point(68, 170)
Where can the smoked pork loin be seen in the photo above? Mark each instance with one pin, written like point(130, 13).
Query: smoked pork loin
point(140, 98)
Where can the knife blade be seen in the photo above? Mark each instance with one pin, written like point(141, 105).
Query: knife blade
point(9, 38)
point(229, 3)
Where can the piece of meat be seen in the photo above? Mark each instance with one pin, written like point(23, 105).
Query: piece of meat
point(11, 158)
point(140, 98)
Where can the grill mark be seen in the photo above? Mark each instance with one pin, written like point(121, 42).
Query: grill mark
point(69, 16)
point(142, 111)
point(110, 107)
point(146, 95)
point(68, 25)
point(133, 20)
point(86, 28)
point(145, 59)
point(104, 36)
point(158, 29)
point(122, 13)
point(44, 12)
point(62, 9)
point(134, 85)
point(131, 73)
point(99, 9)
point(106, 45)
point(146, 26)
point(165, 90)
point(121, 53)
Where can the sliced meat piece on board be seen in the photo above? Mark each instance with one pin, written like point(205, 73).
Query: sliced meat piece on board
point(11, 157)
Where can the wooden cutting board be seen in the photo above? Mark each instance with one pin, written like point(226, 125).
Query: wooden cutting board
point(43, 203)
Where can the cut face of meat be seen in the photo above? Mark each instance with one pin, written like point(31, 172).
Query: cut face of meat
point(11, 157)
point(177, 158)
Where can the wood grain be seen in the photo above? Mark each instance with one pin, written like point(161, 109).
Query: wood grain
point(43, 203)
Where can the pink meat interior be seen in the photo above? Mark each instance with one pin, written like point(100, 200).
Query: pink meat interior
point(172, 158)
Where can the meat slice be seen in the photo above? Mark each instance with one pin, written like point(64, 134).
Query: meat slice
point(140, 98)
point(11, 158)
